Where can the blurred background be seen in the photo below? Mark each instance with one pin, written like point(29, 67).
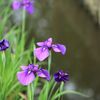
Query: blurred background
point(75, 23)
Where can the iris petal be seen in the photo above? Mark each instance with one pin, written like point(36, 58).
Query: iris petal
point(25, 78)
point(40, 43)
point(44, 74)
point(41, 53)
point(16, 5)
point(24, 67)
point(48, 42)
point(4, 44)
point(59, 48)
point(30, 8)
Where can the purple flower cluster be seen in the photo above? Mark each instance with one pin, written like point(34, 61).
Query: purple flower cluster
point(27, 75)
point(28, 5)
point(4, 44)
point(44, 50)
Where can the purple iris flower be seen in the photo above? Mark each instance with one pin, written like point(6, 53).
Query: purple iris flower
point(4, 44)
point(43, 74)
point(60, 76)
point(44, 50)
point(25, 4)
point(27, 75)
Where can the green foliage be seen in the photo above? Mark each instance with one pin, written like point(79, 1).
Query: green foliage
point(12, 58)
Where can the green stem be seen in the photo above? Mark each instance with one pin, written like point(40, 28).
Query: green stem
point(52, 90)
point(3, 61)
point(32, 91)
point(34, 46)
point(61, 89)
point(23, 22)
point(49, 62)
point(47, 84)
point(29, 92)
point(23, 31)
point(35, 82)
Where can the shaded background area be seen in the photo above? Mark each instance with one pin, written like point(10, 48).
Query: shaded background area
point(71, 22)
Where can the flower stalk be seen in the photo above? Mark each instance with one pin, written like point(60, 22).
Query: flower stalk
point(49, 62)
point(29, 92)
point(49, 66)
point(51, 92)
point(23, 21)
point(61, 89)
point(3, 61)
point(33, 84)
point(23, 30)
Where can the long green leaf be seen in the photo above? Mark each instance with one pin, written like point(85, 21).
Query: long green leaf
point(69, 92)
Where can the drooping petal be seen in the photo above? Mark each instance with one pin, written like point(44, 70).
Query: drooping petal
point(44, 74)
point(30, 8)
point(65, 77)
point(4, 44)
point(41, 53)
point(59, 48)
point(25, 78)
point(16, 5)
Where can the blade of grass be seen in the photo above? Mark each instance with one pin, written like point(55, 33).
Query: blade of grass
point(69, 92)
